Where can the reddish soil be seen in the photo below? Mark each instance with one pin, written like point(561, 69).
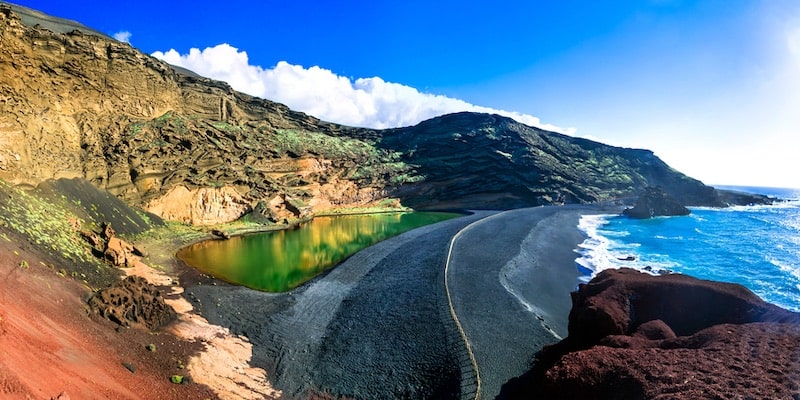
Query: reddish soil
point(49, 343)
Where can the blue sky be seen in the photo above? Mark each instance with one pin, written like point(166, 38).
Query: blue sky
point(713, 87)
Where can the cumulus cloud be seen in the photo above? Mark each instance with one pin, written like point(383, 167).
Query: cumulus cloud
point(123, 36)
point(366, 102)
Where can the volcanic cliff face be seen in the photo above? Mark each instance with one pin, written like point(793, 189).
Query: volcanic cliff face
point(75, 103)
point(81, 105)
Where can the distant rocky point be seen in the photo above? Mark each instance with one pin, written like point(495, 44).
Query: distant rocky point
point(734, 197)
point(654, 202)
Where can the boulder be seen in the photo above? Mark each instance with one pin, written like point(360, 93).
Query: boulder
point(132, 302)
point(635, 336)
point(120, 253)
point(220, 234)
point(655, 201)
point(93, 239)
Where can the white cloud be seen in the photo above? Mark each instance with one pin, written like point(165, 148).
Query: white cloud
point(365, 102)
point(123, 36)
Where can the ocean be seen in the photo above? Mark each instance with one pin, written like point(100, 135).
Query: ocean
point(756, 246)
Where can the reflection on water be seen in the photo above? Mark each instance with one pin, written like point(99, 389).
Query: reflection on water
point(282, 260)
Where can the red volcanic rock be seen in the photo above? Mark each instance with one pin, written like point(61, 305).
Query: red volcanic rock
point(618, 302)
point(757, 360)
point(133, 302)
point(636, 336)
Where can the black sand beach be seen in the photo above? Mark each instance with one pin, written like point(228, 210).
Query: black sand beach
point(510, 277)
point(379, 326)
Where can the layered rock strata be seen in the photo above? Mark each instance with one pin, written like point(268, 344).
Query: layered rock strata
point(78, 104)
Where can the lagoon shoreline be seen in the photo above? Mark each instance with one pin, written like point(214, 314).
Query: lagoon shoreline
point(383, 311)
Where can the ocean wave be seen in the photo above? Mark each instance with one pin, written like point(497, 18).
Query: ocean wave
point(662, 237)
point(778, 205)
point(756, 246)
point(792, 224)
point(599, 252)
point(784, 266)
point(589, 223)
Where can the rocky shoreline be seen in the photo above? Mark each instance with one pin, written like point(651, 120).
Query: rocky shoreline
point(341, 335)
point(377, 326)
point(637, 336)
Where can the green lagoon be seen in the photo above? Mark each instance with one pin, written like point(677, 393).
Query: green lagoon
point(278, 261)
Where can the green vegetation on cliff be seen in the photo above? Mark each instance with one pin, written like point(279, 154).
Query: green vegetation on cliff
point(481, 160)
point(193, 149)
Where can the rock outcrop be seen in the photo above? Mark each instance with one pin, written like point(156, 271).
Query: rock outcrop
point(132, 302)
point(635, 336)
point(200, 206)
point(78, 104)
point(654, 202)
point(118, 252)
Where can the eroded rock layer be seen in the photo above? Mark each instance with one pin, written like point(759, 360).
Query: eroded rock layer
point(77, 104)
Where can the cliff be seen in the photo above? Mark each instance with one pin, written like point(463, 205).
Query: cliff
point(78, 104)
point(82, 105)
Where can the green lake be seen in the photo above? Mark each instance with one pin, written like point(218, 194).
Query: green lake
point(278, 261)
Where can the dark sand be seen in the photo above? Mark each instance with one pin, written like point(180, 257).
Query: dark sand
point(378, 326)
point(510, 276)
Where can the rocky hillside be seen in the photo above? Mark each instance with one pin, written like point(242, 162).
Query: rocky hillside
point(465, 159)
point(77, 104)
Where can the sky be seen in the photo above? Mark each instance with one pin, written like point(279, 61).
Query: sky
point(712, 87)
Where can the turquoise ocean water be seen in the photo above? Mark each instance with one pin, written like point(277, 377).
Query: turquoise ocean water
point(756, 246)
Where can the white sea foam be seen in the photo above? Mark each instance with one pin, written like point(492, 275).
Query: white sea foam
point(754, 208)
point(599, 251)
point(757, 246)
point(785, 266)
